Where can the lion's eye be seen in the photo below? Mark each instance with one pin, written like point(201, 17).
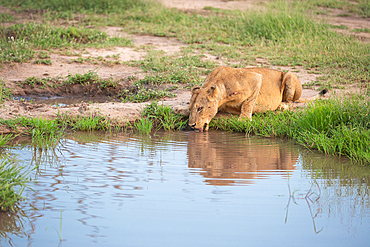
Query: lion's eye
point(200, 108)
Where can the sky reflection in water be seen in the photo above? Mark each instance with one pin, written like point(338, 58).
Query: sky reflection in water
point(189, 189)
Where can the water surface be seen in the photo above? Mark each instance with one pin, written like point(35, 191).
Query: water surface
point(188, 189)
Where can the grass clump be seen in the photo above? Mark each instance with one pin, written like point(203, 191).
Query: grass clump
point(5, 92)
point(43, 61)
point(40, 82)
point(143, 126)
point(90, 77)
point(164, 117)
point(5, 139)
point(339, 127)
point(45, 133)
point(93, 122)
point(83, 79)
point(139, 93)
point(10, 123)
point(13, 181)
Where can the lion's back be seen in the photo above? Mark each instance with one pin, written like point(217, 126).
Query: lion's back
point(270, 95)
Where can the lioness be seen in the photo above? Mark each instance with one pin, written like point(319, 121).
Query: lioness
point(243, 91)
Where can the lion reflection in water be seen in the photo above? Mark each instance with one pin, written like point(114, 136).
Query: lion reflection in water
point(227, 161)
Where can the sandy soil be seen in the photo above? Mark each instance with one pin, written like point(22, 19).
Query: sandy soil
point(63, 66)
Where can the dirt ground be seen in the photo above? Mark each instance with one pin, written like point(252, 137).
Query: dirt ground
point(62, 66)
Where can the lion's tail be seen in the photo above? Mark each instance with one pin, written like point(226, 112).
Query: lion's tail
point(319, 95)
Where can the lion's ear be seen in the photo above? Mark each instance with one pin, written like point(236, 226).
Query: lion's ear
point(195, 89)
point(213, 90)
point(194, 95)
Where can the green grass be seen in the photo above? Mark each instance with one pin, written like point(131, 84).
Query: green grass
point(164, 117)
point(5, 139)
point(43, 61)
point(45, 133)
point(336, 127)
point(89, 78)
point(335, 4)
point(361, 30)
point(97, 60)
point(83, 79)
point(5, 92)
point(40, 82)
point(182, 68)
point(362, 9)
point(359, 7)
point(19, 42)
point(13, 181)
point(92, 122)
point(6, 17)
point(143, 126)
point(139, 93)
point(281, 34)
point(82, 6)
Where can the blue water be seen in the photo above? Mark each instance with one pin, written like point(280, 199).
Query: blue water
point(188, 189)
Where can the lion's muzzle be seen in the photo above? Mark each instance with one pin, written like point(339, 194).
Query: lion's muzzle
point(204, 127)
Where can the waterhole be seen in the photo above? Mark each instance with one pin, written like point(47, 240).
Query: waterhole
point(187, 189)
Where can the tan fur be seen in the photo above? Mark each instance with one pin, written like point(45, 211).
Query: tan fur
point(242, 91)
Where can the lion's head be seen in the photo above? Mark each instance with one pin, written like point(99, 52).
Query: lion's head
point(203, 107)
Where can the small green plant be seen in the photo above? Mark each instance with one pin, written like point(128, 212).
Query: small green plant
point(139, 93)
point(165, 117)
point(43, 61)
point(143, 126)
point(5, 92)
point(13, 181)
point(108, 83)
point(10, 123)
point(79, 60)
point(88, 78)
point(5, 139)
point(43, 55)
point(34, 81)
